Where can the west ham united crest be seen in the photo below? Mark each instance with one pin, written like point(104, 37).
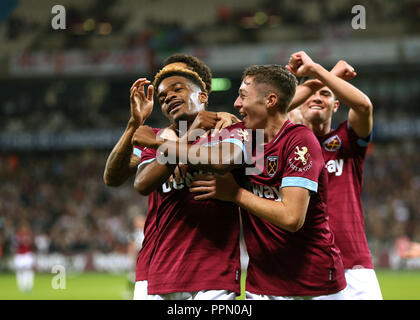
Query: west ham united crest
point(271, 165)
point(332, 144)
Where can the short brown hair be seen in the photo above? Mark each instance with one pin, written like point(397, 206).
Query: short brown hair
point(278, 77)
point(194, 64)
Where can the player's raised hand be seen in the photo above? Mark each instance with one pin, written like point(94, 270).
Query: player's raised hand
point(145, 136)
point(141, 105)
point(301, 65)
point(213, 186)
point(343, 70)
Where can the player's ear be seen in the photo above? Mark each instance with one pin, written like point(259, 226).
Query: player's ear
point(203, 97)
point(336, 105)
point(271, 100)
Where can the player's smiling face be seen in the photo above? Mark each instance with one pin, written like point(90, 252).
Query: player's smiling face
point(320, 107)
point(180, 98)
point(251, 106)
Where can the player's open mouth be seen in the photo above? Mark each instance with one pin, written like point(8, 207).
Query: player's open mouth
point(174, 106)
point(316, 107)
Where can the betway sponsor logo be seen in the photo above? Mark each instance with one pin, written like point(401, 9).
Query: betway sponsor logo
point(181, 183)
point(335, 166)
point(267, 192)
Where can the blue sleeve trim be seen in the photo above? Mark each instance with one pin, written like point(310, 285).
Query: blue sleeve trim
point(299, 182)
point(144, 162)
point(137, 152)
point(362, 142)
point(239, 143)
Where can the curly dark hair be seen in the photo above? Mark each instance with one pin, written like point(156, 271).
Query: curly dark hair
point(276, 76)
point(194, 64)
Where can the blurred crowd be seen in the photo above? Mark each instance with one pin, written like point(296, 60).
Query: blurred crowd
point(64, 199)
point(391, 191)
point(243, 20)
point(71, 210)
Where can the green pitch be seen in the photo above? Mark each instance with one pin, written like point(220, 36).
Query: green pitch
point(86, 286)
point(395, 285)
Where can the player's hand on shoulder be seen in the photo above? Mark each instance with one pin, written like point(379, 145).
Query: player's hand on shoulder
point(226, 120)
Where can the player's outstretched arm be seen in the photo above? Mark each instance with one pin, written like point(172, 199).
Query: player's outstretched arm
point(288, 214)
point(309, 87)
point(361, 110)
point(122, 163)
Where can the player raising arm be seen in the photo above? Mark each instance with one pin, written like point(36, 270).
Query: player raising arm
point(344, 150)
point(123, 160)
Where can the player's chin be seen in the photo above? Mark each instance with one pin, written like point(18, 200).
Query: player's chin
point(252, 124)
point(246, 121)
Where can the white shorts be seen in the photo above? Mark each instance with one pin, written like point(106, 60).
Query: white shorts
point(340, 295)
point(140, 293)
point(362, 284)
point(24, 261)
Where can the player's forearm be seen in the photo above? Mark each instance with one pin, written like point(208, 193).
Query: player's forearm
point(304, 91)
point(275, 212)
point(118, 166)
point(344, 91)
point(214, 159)
point(152, 176)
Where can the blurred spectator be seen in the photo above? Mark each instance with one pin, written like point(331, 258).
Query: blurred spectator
point(64, 199)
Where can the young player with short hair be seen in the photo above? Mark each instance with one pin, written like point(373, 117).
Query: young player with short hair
point(344, 150)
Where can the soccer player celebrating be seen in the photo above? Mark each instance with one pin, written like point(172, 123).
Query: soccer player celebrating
point(292, 254)
point(196, 250)
point(124, 159)
point(344, 150)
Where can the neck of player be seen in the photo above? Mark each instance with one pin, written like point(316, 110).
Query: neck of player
point(273, 126)
point(320, 129)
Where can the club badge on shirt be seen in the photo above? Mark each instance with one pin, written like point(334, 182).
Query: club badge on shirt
point(302, 155)
point(333, 143)
point(271, 165)
point(243, 134)
point(300, 159)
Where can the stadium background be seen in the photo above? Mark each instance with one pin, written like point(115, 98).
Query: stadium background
point(64, 102)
